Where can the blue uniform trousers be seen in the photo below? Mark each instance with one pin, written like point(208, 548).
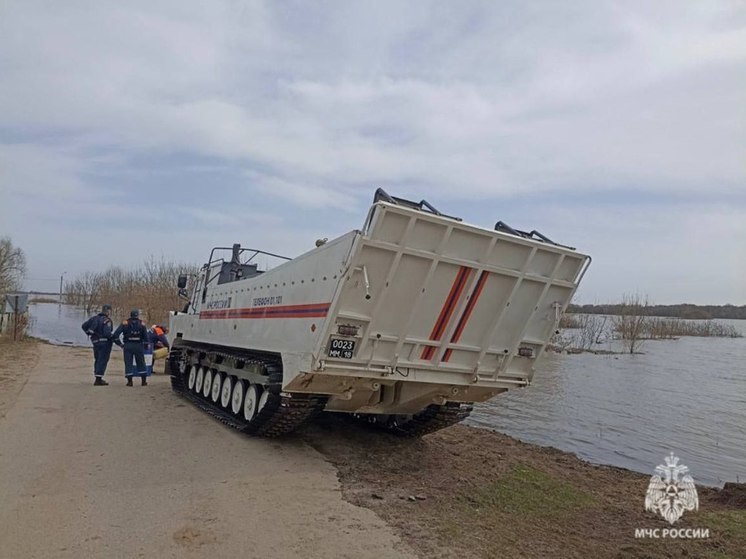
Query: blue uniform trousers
point(101, 353)
point(134, 351)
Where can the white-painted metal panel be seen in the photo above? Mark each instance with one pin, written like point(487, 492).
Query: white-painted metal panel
point(449, 297)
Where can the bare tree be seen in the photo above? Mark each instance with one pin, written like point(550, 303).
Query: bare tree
point(591, 330)
point(631, 322)
point(12, 265)
point(84, 291)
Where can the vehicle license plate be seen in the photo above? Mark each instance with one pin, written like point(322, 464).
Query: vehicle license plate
point(342, 349)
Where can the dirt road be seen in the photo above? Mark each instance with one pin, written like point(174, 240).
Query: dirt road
point(135, 472)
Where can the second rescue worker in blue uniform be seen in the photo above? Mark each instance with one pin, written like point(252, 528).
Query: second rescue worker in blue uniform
point(99, 329)
point(135, 336)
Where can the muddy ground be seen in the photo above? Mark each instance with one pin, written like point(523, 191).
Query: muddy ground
point(467, 492)
point(471, 492)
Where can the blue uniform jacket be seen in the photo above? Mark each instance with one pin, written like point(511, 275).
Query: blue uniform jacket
point(133, 330)
point(98, 328)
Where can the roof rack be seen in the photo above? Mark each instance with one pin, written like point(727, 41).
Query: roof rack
point(503, 227)
point(422, 205)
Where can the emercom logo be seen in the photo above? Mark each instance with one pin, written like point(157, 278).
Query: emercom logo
point(671, 492)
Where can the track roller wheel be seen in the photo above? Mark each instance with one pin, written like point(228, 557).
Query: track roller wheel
point(207, 383)
point(227, 391)
point(217, 385)
point(199, 380)
point(251, 402)
point(239, 389)
point(192, 377)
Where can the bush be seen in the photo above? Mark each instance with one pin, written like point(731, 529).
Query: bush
point(667, 328)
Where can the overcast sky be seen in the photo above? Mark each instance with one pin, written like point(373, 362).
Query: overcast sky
point(165, 128)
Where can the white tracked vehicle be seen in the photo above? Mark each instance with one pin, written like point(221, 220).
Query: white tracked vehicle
point(405, 323)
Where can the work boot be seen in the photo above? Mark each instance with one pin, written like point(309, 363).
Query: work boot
point(100, 382)
point(129, 381)
point(144, 381)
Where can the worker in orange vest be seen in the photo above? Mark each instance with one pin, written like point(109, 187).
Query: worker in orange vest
point(157, 337)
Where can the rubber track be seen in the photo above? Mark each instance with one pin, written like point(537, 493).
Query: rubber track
point(282, 414)
point(432, 418)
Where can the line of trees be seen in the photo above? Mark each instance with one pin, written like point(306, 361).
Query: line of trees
point(151, 288)
point(684, 310)
point(633, 321)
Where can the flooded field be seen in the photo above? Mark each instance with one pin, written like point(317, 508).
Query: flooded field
point(686, 396)
point(58, 324)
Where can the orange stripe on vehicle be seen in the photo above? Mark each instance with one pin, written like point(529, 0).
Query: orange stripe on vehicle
point(467, 312)
point(447, 311)
point(314, 310)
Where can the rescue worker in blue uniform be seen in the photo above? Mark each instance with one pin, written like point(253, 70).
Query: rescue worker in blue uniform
point(135, 337)
point(99, 328)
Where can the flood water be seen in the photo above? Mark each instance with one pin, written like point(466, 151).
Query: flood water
point(686, 396)
point(58, 324)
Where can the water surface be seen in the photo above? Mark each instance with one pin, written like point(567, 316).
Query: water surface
point(686, 396)
point(58, 324)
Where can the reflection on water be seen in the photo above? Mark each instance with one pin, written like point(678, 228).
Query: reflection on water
point(687, 396)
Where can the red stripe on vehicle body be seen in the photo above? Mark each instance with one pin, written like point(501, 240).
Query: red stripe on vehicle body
point(467, 312)
point(315, 310)
point(447, 311)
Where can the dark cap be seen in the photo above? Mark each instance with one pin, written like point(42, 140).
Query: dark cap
point(105, 308)
point(134, 313)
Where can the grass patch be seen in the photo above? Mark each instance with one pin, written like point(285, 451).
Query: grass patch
point(729, 524)
point(497, 519)
point(528, 491)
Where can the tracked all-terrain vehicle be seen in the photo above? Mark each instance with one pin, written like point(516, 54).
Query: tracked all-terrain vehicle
point(404, 323)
